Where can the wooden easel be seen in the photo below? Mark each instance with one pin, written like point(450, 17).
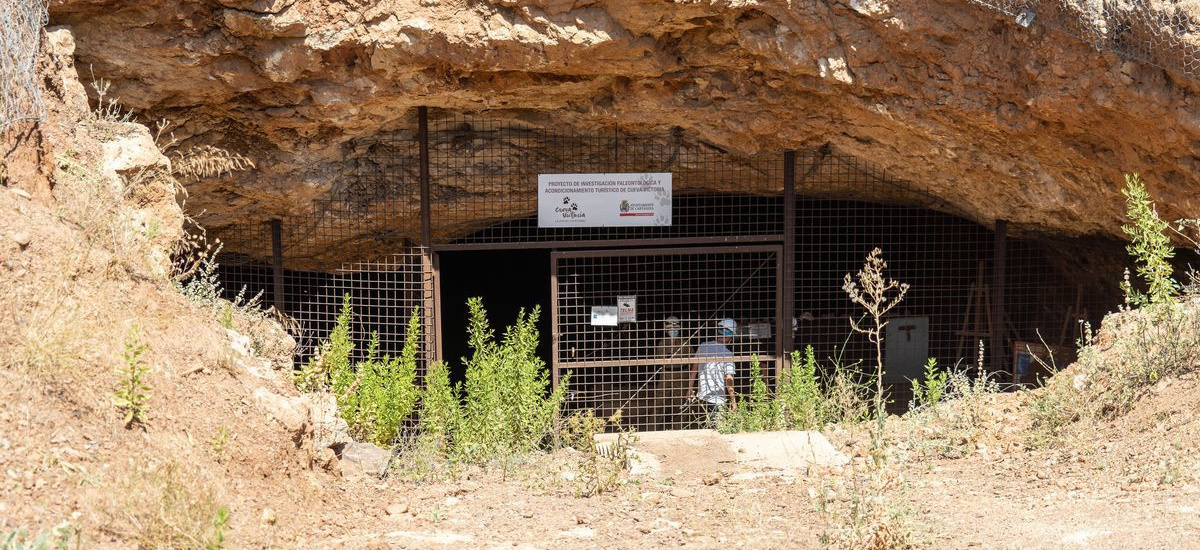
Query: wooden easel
point(977, 318)
point(1074, 314)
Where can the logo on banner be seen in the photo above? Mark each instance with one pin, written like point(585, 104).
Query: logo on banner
point(569, 210)
point(635, 208)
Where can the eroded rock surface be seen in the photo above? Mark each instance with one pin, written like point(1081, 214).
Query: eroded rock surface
point(1002, 121)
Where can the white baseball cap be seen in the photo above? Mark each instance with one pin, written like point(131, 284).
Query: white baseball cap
point(728, 327)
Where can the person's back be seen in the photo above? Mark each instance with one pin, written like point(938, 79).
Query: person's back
point(712, 374)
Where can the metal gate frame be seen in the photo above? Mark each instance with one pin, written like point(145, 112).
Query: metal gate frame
point(782, 343)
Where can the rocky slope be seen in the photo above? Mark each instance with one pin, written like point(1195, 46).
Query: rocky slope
point(1002, 121)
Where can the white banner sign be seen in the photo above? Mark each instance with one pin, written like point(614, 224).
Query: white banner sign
point(604, 200)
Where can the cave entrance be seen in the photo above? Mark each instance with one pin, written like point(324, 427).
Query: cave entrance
point(431, 217)
point(507, 281)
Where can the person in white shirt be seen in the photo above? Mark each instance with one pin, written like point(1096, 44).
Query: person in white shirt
point(713, 377)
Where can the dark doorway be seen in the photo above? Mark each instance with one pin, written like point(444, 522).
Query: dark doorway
point(507, 280)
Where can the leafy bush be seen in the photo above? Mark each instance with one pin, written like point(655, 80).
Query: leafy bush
point(802, 401)
point(439, 414)
point(803, 405)
point(758, 412)
point(375, 395)
point(507, 409)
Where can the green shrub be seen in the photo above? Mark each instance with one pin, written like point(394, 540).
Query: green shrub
point(332, 360)
point(1149, 245)
point(757, 412)
point(439, 414)
point(376, 395)
point(507, 410)
point(803, 405)
point(389, 387)
point(802, 401)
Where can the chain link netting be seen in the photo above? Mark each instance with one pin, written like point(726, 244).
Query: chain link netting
point(1163, 33)
point(21, 23)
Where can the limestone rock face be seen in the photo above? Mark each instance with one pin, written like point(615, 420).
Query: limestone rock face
point(1002, 121)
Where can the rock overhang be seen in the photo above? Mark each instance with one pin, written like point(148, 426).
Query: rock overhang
point(998, 120)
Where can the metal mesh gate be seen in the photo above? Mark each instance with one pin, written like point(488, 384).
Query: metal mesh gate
point(632, 363)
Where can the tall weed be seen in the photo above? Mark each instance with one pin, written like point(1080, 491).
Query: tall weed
point(877, 295)
point(507, 410)
point(758, 412)
point(1149, 245)
point(375, 395)
point(332, 360)
point(803, 405)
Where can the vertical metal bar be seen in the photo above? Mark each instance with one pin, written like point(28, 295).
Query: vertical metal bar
point(999, 268)
point(277, 262)
point(423, 147)
point(787, 275)
point(435, 320)
point(553, 319)
point(429, 298)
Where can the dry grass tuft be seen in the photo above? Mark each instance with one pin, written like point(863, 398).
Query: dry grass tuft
point(206, 161)
point(169, 506)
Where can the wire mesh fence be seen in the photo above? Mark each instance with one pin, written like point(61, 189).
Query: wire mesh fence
point(20, 41)
point(1165, 34)
point(485, 172)
point(730, 252)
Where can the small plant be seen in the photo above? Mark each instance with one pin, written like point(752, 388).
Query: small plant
point(108, 109)
point(64, 536)
point(864, 514)
point(220, 443)
point(929, 391)
point(226, 318)
point(579, 430)
point(200, 282)
point(133, 392)
point(600, 465)
point(220, 523)
point(871, 290)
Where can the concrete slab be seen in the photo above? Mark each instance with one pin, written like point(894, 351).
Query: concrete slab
point(748, 454)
